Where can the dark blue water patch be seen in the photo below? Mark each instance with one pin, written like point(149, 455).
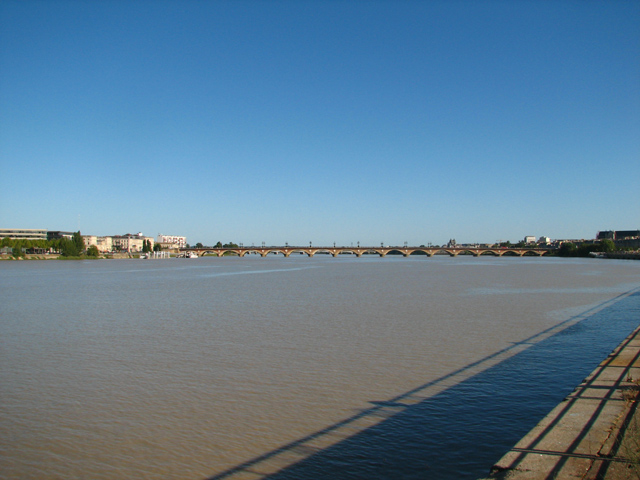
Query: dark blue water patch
point(461, 432)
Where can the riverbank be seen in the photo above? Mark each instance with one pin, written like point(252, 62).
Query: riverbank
point(592, 434)
point(49, 256)
point(57, 256)
point(624, 255)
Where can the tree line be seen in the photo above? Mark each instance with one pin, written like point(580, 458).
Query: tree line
point(569, 249)
point(67, 247)
point(217, 245)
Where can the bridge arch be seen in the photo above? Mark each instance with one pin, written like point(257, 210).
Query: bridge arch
point(533, 253)
point(466, 252)
point(273, 251)
point(323, 251)
point(444, 251)
point(420, 252)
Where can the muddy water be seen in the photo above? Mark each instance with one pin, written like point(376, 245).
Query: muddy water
point(216, 368)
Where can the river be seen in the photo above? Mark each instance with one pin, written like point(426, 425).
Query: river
point(294, 368)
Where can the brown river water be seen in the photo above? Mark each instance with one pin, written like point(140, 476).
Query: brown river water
point(294, 368)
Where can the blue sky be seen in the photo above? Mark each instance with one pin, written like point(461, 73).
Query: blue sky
point(323, 121)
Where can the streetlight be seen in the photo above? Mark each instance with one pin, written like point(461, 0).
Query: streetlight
point(309, 243)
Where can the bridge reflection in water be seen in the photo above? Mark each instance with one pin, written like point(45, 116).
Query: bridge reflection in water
point(360, 251)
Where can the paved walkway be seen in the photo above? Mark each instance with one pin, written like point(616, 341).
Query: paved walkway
point(592, 434)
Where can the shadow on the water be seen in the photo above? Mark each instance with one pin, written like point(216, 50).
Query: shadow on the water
point(458, 425)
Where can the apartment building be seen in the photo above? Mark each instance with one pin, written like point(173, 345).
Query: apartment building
point(174, 240)
point(104, 244)
point(23, 233)
point(130, 243)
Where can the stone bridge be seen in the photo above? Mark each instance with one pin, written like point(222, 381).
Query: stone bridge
point(360, 251)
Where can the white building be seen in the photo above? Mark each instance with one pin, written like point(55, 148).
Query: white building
point(130, 243)
point(529, 239)
point(176, 241)
point(104, 244)
point(23, 233)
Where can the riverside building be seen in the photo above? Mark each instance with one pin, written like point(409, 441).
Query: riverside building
point(173, 240)
point(23, 233)
point(130, 243)
point(103, 244)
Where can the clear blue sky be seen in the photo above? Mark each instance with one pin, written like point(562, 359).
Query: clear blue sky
point(322, 121)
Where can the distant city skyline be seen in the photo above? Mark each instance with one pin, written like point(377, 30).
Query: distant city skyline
point(183, 241)
point(289, 122)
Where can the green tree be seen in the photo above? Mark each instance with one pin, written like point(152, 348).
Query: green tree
point(218, 245)
point(93, 251)
point(78, 241)
point(157, 247)
point(199, 245)
point(567, 249)
point(17, 248)
point(68, 248)
point(607, 245)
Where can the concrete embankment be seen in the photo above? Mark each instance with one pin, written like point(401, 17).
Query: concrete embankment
point(624, 255)
point(591, 434)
